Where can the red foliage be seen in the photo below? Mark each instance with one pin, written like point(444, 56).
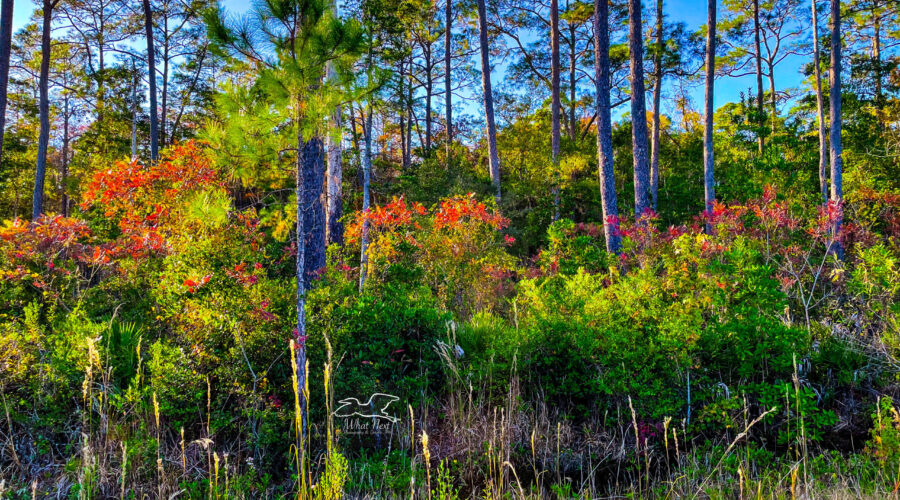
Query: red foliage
point(141, 197)
point(453, 211)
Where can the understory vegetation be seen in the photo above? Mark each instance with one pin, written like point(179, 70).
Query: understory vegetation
point(314, 270)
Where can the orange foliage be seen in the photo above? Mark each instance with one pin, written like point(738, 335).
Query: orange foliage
point(142, 197)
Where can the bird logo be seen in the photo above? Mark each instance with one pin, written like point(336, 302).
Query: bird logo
point(375, 407)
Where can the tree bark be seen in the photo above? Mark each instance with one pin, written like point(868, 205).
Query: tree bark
point(708, 163)
point(151, 76)
point(820, 114)
point(657, 98)
point(555, 104)
point(488, 98)
point(604, 127)
point(573, 123)
point(313, 207)
point(64, 164)
point(638, 111)
point(164, 95)
point(6, 18)
point(335, 197)
point(448, 96)
point(774, 100)
point(299, 340)
point(429, 90)
point(876, 58)
point(837, 187)
point(367, 175)
point(37, 205)
point(761, 140)
point(134, 112)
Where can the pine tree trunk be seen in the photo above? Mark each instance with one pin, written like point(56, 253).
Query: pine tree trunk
point(638, 111)
point(335, 175)
point(151, 76)
point(64, 164)
point(367, 175)
point(299, 339)
point(573, 123)
point(876, 58)
point(708, 160)
point(604, 127)
point(837, 187)
point(488, 97)
point(820, 113)
point(429, 90)
point(774, 100)
point(313, 207)
point(164, 95)
point(6, 18)
point(761, 140)
point(134, 112)
point(448, 96)
point(37, 205)
point(657, 98)
point(555, 104)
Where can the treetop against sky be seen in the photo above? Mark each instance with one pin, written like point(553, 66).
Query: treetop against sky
point(690, 12)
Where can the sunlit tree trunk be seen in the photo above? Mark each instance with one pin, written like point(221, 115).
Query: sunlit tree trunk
point(64, 163)
point(448, 96)
point(151, 77)
point(820, 112)
point(555, 105)
point(657, 98)
point(708, 163)
point(604, 126)
point(367, 174)
point(334, 176)
point(6, 18)
point(638, 110)
point(494, 157)
point(37, 204)
point(837, 187)
point(761, 141)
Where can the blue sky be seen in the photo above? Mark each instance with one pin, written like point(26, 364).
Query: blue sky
point(691, 12)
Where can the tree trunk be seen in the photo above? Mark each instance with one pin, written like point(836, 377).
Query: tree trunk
point(151, 76)
point(37, 205)
point(367, 175)
point(402, 96)
point(876, 58)
point(429, 89)
point(555, 104)
point(657, 97)
point(638, 110)
point(448, 96)
point(820, 114)
point(761, 140)
point(134, 112)
point(299, 340)
point(837, 187)
point(64, 164)
point(164, 95)
point(573, 123)
point(708, 163)
point(410, 113)
point(335, 175)
point(6, 18)
point(313, 207)
point(488, 98)
point(604, 127)
point(334, 232)
point(774, 97)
